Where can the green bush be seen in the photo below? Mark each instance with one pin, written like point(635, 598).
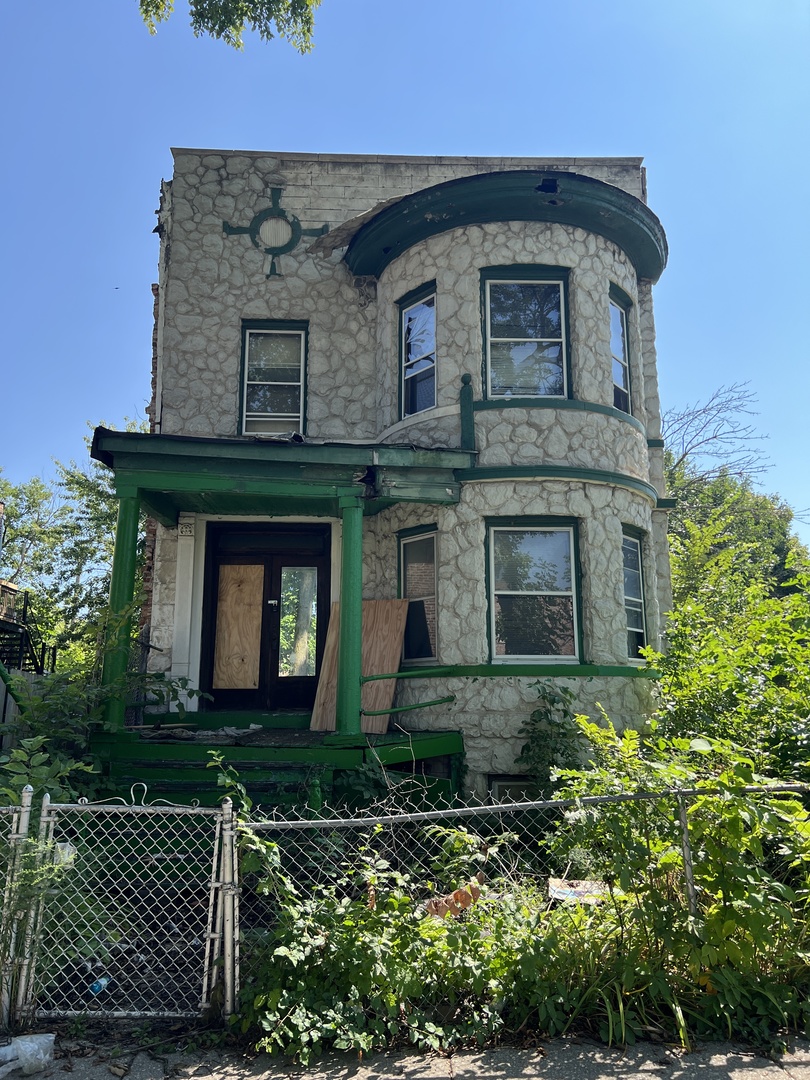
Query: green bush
point(359, 962)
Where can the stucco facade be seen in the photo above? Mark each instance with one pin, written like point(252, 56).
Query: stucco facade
point(560, 425)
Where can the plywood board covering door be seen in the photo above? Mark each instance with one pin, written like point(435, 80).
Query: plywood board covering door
point(383, 631)
point(239, 627)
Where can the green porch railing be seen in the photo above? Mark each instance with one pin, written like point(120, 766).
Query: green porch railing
point(407, 708)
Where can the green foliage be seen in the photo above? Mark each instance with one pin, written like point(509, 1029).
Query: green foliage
point(553, 739)
point(723, 513)
point(58, 713)
point(58, 545)
point(738, 659)
point(747, 942)
point(31, 763)
point(360, 959)
point(292, 20)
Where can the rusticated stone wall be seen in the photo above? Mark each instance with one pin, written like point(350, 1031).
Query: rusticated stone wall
point(210, 282)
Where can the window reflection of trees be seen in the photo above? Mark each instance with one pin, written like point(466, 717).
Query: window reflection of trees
point(299, 615)
point(537, 564)
point(525, 310)
point(525, 331)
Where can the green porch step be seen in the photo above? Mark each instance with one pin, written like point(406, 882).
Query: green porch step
point(211, 721)
point(293, 765)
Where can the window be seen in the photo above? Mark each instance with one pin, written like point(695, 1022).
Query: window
point(274, 368)
point(418, 350)
point(533, 610)
point(633, 596)
point(506, 789)
point(417, 562)
point(525, 333)
point(618, 352)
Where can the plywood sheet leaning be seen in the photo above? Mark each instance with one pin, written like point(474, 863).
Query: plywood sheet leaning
point(324, 709)
point(383, 631)
point(239, 627)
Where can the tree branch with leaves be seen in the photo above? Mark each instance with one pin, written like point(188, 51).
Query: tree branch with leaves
point(227, 20)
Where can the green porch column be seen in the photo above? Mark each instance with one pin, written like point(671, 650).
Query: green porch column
point(122, 590)
point(350, 643)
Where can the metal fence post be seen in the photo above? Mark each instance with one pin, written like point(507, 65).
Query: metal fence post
point(33, 921)
point(17, 838)
point(688, 871)
point(230, 928)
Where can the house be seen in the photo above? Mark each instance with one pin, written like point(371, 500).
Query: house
point(379, 377)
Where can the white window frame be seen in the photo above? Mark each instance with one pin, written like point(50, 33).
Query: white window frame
point(624, 360)
point(405, 363)
point(538, 658)
point(490, 339)
point(428, 534)
point(634, 603)
point(296, 420)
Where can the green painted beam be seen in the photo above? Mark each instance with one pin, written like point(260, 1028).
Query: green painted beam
point(566, 404)
point(418, 748)
point(343, 757)
point(466, 407)
point(116, 448)
point(349, 667)
point(122, 591)
point(488, 473)
point(537, 671)
point(162, 508)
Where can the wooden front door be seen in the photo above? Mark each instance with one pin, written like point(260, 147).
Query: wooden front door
point(267, 606)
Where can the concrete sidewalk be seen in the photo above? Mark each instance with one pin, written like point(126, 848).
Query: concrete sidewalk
point(562, 1059)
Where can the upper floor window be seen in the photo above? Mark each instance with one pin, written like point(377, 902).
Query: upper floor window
point(417, 318)
point(619, 355)
point(633, 596)
point(525, 330)
point(533, 602)
point(274, 366)
point(417, 567)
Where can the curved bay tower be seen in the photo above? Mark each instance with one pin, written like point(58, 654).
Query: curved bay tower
point(405, 422)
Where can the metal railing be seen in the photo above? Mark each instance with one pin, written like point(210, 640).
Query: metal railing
point(22, 644)
point(10, 601)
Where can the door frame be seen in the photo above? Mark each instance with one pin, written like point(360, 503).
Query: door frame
point(206, 574)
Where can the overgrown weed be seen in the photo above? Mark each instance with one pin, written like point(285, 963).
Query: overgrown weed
point(356, 960)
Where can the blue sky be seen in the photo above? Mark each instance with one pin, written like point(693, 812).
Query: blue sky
point(715, 94)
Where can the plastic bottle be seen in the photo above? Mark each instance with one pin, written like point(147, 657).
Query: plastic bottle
point(100, 984)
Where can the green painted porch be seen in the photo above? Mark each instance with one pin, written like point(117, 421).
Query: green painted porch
point(244, 478)
point(282, 764)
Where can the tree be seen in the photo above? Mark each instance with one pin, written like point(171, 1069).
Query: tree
point(713, 437)
point(738, 659)
point(58, 544)
point(732, 516)
point(227, 20)
point(32, 528)
point(713, 454)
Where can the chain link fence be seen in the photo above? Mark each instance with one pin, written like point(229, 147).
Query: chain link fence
point(151, 910)
point(470, 864)
point(119, 910)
